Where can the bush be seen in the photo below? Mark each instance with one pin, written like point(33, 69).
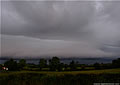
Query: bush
point(66, 79)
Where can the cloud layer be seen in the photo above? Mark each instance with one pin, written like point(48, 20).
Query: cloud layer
point(60, 28)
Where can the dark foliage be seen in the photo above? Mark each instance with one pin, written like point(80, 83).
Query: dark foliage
point(22, 63)
point(0, 67)
point(67, 79)
point(72, 65)
point(116, 63)
point(54, 63)
point(97, 66)
point(42, 63)
point(11, 65)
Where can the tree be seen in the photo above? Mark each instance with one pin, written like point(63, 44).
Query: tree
point(83, 66)
point(0, 66)
point(42, 63)
point(66, 66)
point(54, 63)
point(11, 65)
point(116, 63)
point(61, 67)
point(72, 65)
point(22, 63)
point(96, 65)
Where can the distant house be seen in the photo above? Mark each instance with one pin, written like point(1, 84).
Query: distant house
point(4, 68)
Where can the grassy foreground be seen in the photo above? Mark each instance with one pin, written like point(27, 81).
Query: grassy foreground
point(60, 78)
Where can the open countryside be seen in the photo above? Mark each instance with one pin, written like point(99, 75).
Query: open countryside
point(57, 73)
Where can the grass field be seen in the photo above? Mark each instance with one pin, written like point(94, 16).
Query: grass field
point(108, 71)
point(59, 78)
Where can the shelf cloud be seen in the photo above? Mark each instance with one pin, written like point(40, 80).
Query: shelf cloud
point(60, 28)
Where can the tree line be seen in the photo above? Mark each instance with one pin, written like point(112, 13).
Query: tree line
point(55, 64)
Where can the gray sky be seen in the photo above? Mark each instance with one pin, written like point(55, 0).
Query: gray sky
point(60, 28)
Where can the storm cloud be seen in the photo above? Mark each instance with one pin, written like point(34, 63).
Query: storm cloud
point(60, 28)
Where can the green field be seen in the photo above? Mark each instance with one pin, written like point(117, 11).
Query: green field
point(59, 78)
point(108, 71)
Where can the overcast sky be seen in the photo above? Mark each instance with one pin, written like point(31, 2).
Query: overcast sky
point(88, 28)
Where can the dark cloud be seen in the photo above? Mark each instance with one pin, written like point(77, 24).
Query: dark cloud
point(80, 28)
point(48, 18)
